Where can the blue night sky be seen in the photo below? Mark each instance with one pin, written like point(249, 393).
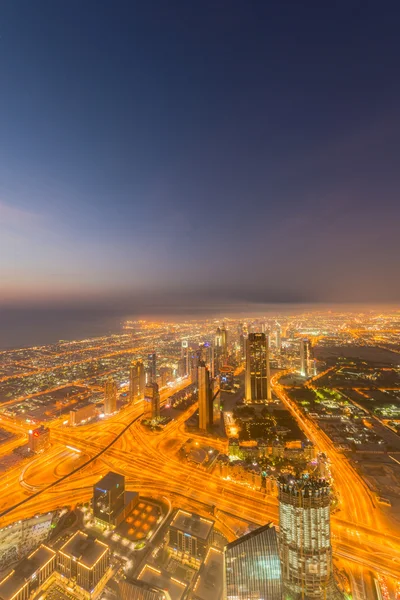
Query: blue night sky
point(236, 151)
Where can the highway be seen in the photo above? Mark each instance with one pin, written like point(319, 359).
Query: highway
point(148, 463)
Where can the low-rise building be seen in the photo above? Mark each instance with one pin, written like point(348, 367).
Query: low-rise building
point(84, 560)
point(190, 536)
point(29, 575)
point(82, 413)
point(139, 590)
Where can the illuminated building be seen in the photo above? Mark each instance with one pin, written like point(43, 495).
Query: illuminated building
point(84, 559)
point(110, 396)
point(185, 356)
point(278, 339)
point(139, 590)
point(307, 363)
point(212, 362)
point(109, 497)
point(258, 387)
point(305, 538)
point(226, 378)
point(224, 341)
point(242, 342)
point(190, 536)
point(152, 368)
point(111, 502)
point(216, 402)
point(182, 367)
point(136, 380)
point(218, 338)
point(39, 439)
point(205, 397)
point(209, 581)
point(151, 401)
point(29, 575)
point(252, 569)
point(165, 376)
point(206, 354)
point(218, 351)
point(173, 588)
point(81, 414)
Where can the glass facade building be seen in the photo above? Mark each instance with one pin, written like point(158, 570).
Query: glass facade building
point(257, 369)
point(305, 539)
point(109, 497)
point(136, 380)
point(252, 568)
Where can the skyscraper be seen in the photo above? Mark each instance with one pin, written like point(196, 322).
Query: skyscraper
point(305, 358)
point(110, 396)
point(205, 397)
point(278, 340)
point(242, 342)
point(257, 368)
point(151, 401)
point(224, 341)
point(185, 355)
point(152, 368)
point(218, 338)
point(305, 539)
point(136, 380)
point(252, 569)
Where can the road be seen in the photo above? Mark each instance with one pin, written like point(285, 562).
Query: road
point(149, 466)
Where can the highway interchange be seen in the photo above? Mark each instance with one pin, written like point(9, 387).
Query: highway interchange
point(80, 456)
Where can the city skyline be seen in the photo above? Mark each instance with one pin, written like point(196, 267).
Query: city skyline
point(199, 300)
point(111, 492)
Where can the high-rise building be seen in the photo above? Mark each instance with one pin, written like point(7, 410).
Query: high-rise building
point(110, 396)
point(205, 397)
point(304, 358)
point(219, 349)
point(181, 368)
point(278, 338)
point(109, 497)
point(185, 355)
point(39, 439)
point(218, 338)
point(151, 401)
point(216, 402)
point(305, 539)
point(307, 365)
point(226, 377)
point(257, 369)
point(252, 568)
point(224, 341)
point(136, 380)
point(152, 368)
point(242, 342)
point(206, 354)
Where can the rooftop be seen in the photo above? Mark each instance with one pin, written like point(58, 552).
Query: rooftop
point(209, 582)
point(110, 480)
point(20, 576)
point(154, 577)
point(192, 524)
point(85, 549)
point(249, 536)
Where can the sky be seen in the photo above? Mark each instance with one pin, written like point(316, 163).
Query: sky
point(161, 154)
